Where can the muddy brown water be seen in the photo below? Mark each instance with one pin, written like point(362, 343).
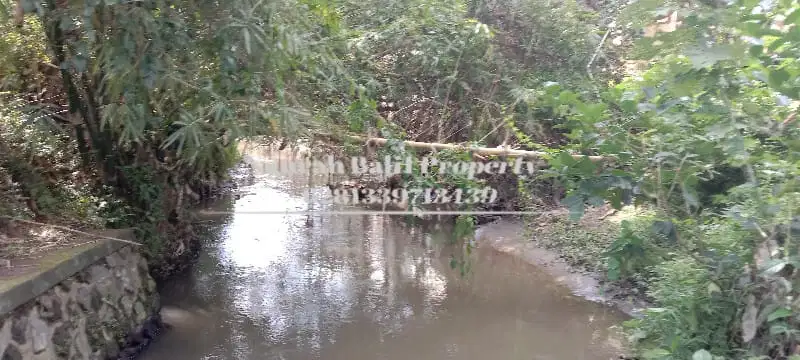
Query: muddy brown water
point(369, 287)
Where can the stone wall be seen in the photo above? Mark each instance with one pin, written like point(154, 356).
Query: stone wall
point(105, 306)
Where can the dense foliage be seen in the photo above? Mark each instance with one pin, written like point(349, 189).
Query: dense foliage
point(706, 136)
point(125, 113)
point(151, 97)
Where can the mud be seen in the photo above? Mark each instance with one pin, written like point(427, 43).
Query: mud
point(508, 236)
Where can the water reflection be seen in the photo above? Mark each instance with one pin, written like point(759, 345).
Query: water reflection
point(363, 287)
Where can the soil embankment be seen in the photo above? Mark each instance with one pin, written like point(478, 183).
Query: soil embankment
point(569, 251)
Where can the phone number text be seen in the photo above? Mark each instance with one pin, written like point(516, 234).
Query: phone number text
point(369, 196)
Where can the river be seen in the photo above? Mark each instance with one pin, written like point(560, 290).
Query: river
point(371, 287)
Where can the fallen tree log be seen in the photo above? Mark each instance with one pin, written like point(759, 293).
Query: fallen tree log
point(505, 198)
point(485, 151)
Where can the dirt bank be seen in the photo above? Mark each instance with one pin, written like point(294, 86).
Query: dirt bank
point(541, 242)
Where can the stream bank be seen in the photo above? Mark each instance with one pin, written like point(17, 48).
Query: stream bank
point(522, 239)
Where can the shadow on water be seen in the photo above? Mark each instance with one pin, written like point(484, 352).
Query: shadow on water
point(363, 287)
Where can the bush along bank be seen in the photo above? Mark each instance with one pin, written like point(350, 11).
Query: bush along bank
point(172, 242)
point(706, 138)
point(86, 139)
point(692, 284)
point(148, 196)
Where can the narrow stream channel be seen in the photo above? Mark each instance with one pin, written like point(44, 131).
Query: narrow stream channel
point(369, 287)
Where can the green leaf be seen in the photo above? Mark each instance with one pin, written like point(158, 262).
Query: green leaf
point(778, 330)
point(562, 160)
point(778, 77)
point(613, 269)
point(628, 101)
point(779, 314)
point(750, 3)
point(645, 107)
point(665, 229)
point(628, 106)
point(702, 354)
point(688, 189)
point(706, 57)
point(655, 354)
point(575, 205)
point(773, 266)
point(753, 28)
point(596, 201)
point(713, 288)
point(585, 167)
point(757, 50)
point(616, 199)
point(246, 34)
point(592, 112)
point(775, 44)
point(793, 17)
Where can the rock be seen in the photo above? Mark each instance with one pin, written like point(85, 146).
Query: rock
point(143, 268)
point(111, 347)
point(137, 337)
point(115, 260)
point(50, 307)
point(82, 340)
point(5, 336)
point(11, 353)
point(106, 313)
point(134, 283)
point(19, 329)
point(104, 281)
point(127, 306)
point(139, 313)
point(64, 297)
point(62, 341)
point(81, 277)
point(153, 327)
point(66, 284)
point(125, 252)
point(100, 355)
point(126, 279)
point(87, 298)
point(128, 354)
point(40, 332)
point(151, 286)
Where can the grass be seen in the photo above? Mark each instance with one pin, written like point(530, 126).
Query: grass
point(581, 244)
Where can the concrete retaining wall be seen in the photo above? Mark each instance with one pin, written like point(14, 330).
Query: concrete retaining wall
point(94, 302)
